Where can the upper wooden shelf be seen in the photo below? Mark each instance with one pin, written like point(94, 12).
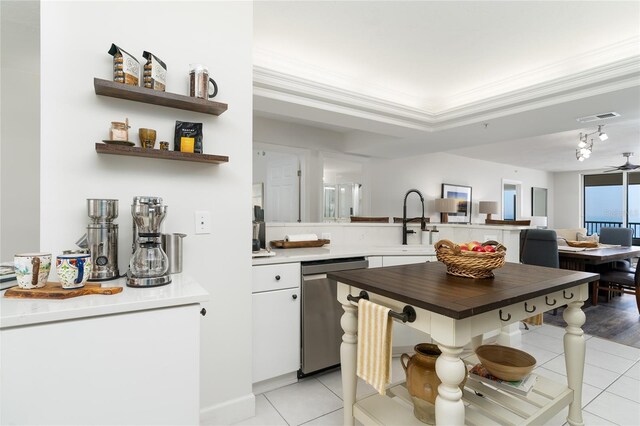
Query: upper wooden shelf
point(103, 148)
point(150, 96)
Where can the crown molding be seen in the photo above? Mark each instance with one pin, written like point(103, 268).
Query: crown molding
point(285, 87)
point(621, 70)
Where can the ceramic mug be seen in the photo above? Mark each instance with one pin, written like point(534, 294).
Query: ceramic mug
point(73, 269)
point(147, 137)
point(32, 269)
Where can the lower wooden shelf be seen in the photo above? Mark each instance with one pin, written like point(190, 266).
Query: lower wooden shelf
point(494, 407)
point(103, 148)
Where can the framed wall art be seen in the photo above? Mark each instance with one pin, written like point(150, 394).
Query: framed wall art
point(462, 195)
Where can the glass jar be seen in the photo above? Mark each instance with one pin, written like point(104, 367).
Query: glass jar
point(119, 131)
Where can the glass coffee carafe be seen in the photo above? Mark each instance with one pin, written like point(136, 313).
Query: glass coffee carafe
point(149, 264)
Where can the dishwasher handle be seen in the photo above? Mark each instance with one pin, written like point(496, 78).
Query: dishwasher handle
point(314, 277)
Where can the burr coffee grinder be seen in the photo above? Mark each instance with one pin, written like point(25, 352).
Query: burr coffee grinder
point(149, 264)
point(101, 239)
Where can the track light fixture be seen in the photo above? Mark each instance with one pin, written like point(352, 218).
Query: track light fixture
point(585, 147)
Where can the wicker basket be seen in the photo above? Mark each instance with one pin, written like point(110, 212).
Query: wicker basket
point(470, 264)
point(582, 244)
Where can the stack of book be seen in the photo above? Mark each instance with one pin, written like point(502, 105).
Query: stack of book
point(7, 277)
point(520, 387)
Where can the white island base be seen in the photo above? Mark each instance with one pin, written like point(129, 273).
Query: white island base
point(454, 407)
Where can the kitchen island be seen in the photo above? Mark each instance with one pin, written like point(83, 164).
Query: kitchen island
point(128, 358)
point(454, 310)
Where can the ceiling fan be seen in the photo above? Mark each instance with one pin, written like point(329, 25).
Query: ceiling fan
point(626, 166)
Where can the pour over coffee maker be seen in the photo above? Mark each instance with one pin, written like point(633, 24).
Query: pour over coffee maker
point(149, 265)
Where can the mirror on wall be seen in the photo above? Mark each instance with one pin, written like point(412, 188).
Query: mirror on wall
point(276, 177)
point(538, 201)
point(511, 199)
point(342, 189)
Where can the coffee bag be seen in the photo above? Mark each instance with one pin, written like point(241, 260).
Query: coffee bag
point(126, 68)
point(155, 72)
point(188, 137)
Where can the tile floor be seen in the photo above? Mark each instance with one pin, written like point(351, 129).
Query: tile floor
point(611, 389)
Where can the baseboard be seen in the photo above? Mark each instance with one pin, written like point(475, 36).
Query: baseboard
point(229, 412)
point(274, 383)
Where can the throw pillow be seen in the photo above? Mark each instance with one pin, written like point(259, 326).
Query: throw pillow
point(583, 237)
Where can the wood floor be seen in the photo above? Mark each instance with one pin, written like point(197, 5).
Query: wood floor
point(617, 320)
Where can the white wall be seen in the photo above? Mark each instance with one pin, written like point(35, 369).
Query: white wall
point(390, 180)
point(567, 200)
point(20, 129)
point(74, 43)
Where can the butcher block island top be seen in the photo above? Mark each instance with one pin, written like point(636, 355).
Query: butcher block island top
point(428, 286)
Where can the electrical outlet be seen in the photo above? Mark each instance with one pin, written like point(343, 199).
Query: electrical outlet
point(203, 222)
point(326, 235)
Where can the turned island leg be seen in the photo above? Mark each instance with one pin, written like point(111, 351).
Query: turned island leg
point(574, 353)
point(348, 353)
point(451, 371)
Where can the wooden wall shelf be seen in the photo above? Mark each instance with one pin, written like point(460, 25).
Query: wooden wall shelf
point(154, 97)
point(134, 151)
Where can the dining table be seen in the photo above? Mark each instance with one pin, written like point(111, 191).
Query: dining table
point(581, 259)
point(456, 311)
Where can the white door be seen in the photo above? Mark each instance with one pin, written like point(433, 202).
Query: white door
point(282, 191)
point(276, 333)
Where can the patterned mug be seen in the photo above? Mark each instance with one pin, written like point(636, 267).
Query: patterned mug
point(32, 269)
point(73, 269)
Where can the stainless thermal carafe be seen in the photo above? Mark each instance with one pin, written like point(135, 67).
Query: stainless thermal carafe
point(172, 246)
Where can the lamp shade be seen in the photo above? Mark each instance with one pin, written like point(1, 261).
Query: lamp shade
point(446, 205)
point(488, 207)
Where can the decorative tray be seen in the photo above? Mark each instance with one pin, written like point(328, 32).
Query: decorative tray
point(298, 244)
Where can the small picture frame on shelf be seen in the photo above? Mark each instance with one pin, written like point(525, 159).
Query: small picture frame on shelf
point(462, 194)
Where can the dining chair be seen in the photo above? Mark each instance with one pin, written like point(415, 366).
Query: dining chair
point(539, 247)
point(619, 282)
point(618, 236)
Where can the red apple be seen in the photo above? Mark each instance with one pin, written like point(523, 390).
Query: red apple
point(473, 244)
point(479, 249)
point(463, 247)
point(489, 249)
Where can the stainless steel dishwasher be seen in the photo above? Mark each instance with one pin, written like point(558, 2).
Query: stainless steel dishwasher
point(321, 312)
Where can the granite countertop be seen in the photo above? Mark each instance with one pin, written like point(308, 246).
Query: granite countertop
point(183, 290)
point(337, 252)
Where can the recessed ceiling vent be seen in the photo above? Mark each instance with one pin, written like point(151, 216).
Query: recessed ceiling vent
point(603, 116)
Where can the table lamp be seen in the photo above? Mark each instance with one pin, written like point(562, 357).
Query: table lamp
point(444, 206)
point(488, 208)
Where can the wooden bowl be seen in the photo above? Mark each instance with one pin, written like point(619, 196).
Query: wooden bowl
point(505, 363)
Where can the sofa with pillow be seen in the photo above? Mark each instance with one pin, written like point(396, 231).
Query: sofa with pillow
point(570, 234)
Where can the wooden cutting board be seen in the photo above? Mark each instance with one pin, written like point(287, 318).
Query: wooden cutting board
point(53, 290)
point(298, 244)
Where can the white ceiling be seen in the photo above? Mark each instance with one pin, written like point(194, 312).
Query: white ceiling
point(405, 78)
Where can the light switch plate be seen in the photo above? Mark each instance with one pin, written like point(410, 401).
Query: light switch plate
point(203, 222)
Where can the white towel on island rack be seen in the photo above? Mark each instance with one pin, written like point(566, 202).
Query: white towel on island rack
point(374, 344)
point(300, 237)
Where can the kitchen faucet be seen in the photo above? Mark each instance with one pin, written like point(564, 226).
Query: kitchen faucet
point(404, 216)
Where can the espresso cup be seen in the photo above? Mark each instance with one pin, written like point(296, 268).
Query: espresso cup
point(32, 269)
point(147, 137)
point(73, 270)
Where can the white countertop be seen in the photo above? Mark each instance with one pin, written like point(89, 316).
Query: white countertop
point(329, 252)
point(183, 290)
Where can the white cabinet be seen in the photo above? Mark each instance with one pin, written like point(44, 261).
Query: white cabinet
point(276, 322)
point(276, 333)
point(131, 368)
point(375, 261)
